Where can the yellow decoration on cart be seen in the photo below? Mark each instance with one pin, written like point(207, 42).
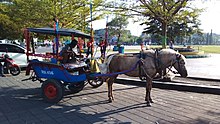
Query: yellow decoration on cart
point(94, 65)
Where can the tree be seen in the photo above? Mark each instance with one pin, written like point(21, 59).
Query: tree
point(117, 26)
point(40, 13)
point(6, 25)
point(164, 11)
point(185, 24)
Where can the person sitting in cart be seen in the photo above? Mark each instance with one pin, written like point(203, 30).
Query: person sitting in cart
point(67, 53)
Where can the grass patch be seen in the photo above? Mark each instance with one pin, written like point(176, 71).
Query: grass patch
point(208, 48)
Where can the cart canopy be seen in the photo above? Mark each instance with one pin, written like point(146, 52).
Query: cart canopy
point(61, 32)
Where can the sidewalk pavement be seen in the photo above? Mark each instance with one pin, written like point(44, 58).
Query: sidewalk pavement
point(21, 103)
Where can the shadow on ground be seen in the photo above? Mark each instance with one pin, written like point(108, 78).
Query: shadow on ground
point(27, 104)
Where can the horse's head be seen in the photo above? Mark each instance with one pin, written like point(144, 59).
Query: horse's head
point(180, 65)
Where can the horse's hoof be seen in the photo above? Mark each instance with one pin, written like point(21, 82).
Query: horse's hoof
point(151, 101)
point(110, 101)
point(148, 104)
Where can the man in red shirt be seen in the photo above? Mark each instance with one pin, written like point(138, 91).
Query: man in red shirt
point(89, 46)
point(103, 44)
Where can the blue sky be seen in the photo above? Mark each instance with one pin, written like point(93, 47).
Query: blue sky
point(210, 19)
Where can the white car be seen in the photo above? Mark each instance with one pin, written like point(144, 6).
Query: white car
point(16, 52)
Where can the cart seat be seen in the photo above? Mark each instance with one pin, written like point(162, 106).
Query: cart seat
point(74, 66)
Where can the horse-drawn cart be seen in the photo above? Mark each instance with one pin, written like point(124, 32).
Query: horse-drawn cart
point(55, 76)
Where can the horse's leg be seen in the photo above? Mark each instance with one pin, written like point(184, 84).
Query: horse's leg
point(110, 82)
point(148, 89)
point(151, 101)
point(113, 80)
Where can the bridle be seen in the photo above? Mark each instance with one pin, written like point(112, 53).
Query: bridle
point(177, 60)
point(159, 64)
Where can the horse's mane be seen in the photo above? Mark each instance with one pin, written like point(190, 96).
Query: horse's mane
point(173, 52)
point(169, 51)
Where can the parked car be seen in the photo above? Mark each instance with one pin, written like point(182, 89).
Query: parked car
point(16, 52)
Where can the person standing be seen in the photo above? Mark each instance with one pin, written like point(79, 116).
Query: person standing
point(89, 48)
point(1, 68)
point(103, 45)
point(171, 44)
point(142, 46)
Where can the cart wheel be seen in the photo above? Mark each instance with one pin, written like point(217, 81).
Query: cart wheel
point(76, 87)
point(95, 82)
point(52, 91)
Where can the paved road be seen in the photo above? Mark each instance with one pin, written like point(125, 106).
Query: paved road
point(204, 67)
point(21, 103)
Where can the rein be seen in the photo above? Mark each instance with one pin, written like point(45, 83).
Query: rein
point(141, 68)
point(172, 64)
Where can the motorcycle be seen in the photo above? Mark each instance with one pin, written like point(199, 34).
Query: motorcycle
point(9, 66)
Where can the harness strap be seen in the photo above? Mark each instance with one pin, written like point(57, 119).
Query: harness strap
point(157, 61)
point(142, 71)
point(118, 73)
point(141, 64)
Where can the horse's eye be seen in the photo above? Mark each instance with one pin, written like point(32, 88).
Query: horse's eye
point(182, 62)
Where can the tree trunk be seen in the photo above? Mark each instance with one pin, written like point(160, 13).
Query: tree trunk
point(119, 35)
point(164, 34)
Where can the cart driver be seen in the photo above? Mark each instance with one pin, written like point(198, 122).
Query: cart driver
point(69, 56)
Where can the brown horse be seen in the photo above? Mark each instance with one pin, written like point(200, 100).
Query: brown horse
point(146, 64)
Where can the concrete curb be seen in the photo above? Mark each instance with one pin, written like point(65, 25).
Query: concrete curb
point(173, 86)
point(204, 79)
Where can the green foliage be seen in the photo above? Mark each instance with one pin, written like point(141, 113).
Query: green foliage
point(6, 26)
point(184, 24)
point(40, 13)
point(163, 17)
point(164, 12)
point(117, 27)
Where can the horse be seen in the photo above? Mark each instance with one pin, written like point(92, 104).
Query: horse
point(147, 63)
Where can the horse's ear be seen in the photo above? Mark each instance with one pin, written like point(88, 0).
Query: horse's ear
point(178, 56)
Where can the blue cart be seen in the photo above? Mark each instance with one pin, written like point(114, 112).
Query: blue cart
point(56, 78)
